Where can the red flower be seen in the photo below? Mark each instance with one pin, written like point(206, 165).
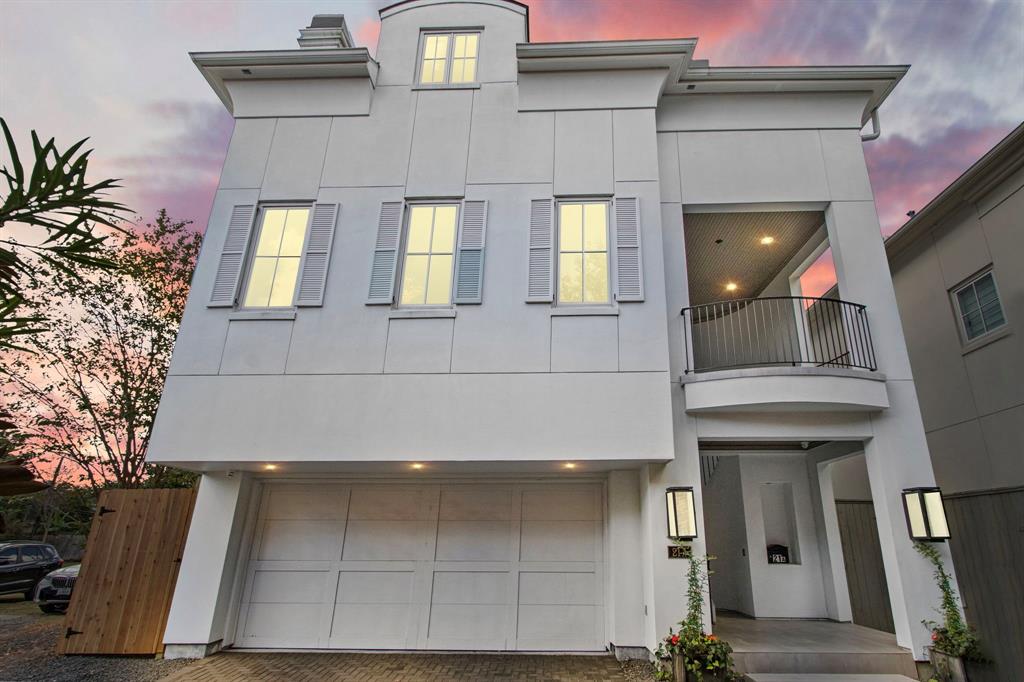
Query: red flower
point(712, 637)
point(674, 639)
point(935, 636)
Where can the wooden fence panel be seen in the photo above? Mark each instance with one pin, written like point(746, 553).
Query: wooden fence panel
point(123, 593)
point(988, 551)
point(865, 572)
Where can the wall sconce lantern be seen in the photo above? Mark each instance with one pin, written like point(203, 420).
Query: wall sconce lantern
point(926, 516)
point(682, 517)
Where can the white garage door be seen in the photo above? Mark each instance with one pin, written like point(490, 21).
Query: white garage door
point(460, 566)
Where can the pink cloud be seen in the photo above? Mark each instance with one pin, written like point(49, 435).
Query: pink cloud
point(367, 33)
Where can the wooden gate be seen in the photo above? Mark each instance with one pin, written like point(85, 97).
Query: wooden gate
point(865, 572)
point(123, 593)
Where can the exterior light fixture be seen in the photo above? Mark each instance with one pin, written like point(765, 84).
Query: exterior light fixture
point(569, 465)
point(767, 241)
point(731, 286)
point(926, 516)
point(682, 517)
point(270, 467)
point(417, 465)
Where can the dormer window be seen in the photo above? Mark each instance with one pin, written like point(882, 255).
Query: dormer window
point(448, 58)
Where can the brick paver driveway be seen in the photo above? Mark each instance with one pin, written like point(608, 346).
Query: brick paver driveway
point(232, 667)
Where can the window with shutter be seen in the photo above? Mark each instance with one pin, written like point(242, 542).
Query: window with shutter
point(318, 255)
point(232, 256)
point(540, 275)
point(429, 255)
point(583, 252)
point(385, 254)
point(469, 266)
point(628, 260)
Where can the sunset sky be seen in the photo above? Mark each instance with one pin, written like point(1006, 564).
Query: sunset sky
point(119, 72)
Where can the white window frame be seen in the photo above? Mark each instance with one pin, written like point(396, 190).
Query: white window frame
point(403, 252)
point(250, 257)
point(557, 265)
point(449, 57)
point(955, 295)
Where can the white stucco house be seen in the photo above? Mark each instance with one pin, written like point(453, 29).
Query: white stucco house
point(468, 309)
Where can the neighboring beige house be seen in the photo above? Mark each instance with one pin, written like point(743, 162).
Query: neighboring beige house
point(957, 269)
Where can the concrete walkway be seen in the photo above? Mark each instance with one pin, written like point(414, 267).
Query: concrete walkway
point(400, 667)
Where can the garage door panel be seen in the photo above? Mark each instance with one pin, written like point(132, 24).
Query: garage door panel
point(470, 587)
point(557, 588)
point(468, 622)
point(282, 625)
point(473, 541)
point(300, 540)
point(393, 503)
point(476, 504)
point(388, 540)
point(558, 503)
point(282, 587)
point(306, 502)
point(373, 626)
point(375, 587)
point(559, 541)
point(557, 627)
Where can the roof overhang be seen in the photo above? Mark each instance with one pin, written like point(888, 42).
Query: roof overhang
point(613, 55)
point(217, 67)
point(995, 166)
point(878, 81)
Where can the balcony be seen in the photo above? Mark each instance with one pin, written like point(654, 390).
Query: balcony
point(780, 353)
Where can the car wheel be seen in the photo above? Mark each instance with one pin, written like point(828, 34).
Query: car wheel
point(50, 608)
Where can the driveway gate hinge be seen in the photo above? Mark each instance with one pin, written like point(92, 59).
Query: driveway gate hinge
point(105, 510)
point(67, 635)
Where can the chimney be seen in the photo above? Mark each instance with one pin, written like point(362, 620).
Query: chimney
point(326, 31)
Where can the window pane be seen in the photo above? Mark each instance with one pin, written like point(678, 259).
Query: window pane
point(270, 233)
point(257, 294)
point(457, 71)
point(294, 232)
point(444, 229)
point(419, 229)
point(570, 278)
point(442, 47)
point(595, 227)
point(460, 46)
point(429, 47)
point(471, 41)
point(439, 284)
point(414, 279)
point(967, 299)
point(571, 227)
point(973, 325)
point(469, 71)
point(283, 291)
point(595, 278)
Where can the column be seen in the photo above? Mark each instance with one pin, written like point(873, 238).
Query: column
point(198, 621)
point(897, 454)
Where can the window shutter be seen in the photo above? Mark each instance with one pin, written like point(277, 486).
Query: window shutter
point(469, 266)
point(628, 262)
point(540, 287)
point(317, 256)
point(232, 256)
point(385, 254)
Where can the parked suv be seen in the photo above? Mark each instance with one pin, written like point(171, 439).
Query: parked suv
point(23, 564)
point(54, 591)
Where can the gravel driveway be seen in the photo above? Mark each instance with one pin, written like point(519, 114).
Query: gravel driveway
point(28, 640)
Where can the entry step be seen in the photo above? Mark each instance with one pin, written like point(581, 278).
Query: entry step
point(824, 677)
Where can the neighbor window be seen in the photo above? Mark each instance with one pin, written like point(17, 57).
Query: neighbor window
point(583, 252)
point(275, 264)
point(978, 306)
point(449, 58)
point(429, 255)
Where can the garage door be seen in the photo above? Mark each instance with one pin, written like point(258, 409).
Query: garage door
point(460, 566)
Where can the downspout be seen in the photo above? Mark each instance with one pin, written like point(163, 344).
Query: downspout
point(876, 128)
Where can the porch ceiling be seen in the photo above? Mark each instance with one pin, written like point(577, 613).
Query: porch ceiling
point(726, 247)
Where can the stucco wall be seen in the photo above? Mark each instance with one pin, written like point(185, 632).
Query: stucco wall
point(972, 399)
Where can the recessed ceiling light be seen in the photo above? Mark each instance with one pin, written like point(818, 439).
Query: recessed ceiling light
point(569, 465)
point(417, 465)
point(767, 240)
point(731, 286)
point(269, 467)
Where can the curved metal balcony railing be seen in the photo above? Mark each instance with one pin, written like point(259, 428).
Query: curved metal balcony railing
point(796, 331)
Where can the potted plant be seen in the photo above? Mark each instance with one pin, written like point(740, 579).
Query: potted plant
point(691, 653)
point(953, 640)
